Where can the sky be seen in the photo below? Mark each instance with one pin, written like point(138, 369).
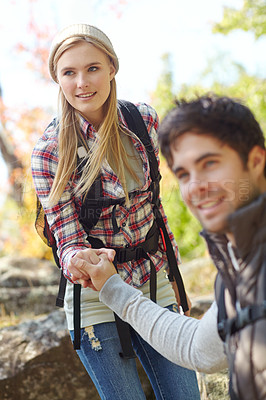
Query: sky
point(141, 32)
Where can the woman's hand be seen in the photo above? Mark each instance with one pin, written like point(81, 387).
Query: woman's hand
point(92, 267)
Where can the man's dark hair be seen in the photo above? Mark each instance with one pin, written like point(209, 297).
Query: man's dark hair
point(223, 118)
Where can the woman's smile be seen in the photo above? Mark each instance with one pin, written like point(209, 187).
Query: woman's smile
point(85, 95)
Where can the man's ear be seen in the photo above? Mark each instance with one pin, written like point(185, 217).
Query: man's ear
point(256, 160)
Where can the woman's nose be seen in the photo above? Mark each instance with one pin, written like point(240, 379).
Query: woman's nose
point(82, 81)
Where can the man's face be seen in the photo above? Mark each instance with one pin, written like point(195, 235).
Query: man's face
point(212, 178)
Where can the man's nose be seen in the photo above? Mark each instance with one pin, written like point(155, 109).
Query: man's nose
point(197, 188)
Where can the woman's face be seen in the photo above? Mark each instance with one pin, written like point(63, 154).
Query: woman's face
point(84, 74)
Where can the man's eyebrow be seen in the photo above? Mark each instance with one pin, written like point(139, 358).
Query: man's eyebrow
point(206, 155)
point(198, 160)
point(177, 169)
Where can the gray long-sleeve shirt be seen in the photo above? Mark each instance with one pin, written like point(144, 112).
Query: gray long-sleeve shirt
point(186, 341)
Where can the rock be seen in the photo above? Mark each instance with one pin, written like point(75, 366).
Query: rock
point(37, 361)
point(29, 340)
point(214, 386)
point(18, 272)
point(25, 283)
point(28, 301)
point(199, 276)
point(201, 304)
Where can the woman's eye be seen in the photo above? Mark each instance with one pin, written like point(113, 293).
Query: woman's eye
point(68, 73)
point(92, 69)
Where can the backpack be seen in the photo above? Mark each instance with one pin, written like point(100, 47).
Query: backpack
point(95, 202)
point(229, 330)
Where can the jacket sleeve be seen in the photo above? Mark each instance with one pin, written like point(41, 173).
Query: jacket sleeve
point(186, 341)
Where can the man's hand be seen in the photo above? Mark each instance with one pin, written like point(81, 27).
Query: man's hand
point(92, 267)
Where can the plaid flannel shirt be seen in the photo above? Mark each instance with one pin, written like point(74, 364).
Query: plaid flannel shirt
point(133, 222)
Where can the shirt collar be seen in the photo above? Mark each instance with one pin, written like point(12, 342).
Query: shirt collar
point(86, 127)
point(89, 131)
point(121, 118)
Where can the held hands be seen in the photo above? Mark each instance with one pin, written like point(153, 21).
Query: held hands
point(92, 267)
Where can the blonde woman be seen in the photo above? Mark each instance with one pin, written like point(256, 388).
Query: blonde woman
point(89, 147)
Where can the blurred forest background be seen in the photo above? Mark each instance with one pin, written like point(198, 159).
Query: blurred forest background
point(21, 127)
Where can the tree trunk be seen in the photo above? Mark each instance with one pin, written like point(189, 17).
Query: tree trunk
point(14, 165)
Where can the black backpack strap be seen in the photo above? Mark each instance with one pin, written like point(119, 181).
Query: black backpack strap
point(76, 315)
point(222, 328)
point(52, 243)
point(123, 330)
point(135, 123)
point(244, 316)
point(172, 262)
point(222, 314)
point(61, 291)
point(150, 245)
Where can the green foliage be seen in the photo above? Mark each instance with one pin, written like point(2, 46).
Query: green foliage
point(17, 231)
point(249, 89)
point(183, 225)
point(251, 17)
point(162, 97)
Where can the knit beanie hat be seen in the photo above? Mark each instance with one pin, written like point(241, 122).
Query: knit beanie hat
point(80, 30)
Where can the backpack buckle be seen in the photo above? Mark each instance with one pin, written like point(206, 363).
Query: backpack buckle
point(221, 330)
point(243, 317)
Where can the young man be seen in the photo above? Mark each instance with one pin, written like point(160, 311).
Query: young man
point(216, 149)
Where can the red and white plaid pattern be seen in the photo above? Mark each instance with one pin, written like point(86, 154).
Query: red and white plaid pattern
point(134, 222)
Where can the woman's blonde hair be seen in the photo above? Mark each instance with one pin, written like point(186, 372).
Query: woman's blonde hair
point(108, 146)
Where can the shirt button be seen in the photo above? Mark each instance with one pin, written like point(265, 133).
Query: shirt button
point(127, 246)
point(124, 224)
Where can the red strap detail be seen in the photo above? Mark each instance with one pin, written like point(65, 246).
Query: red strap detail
point(48, 234)
point(162, 235)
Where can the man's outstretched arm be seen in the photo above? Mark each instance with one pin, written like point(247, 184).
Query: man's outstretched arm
point(186, 341)
point(191, 343)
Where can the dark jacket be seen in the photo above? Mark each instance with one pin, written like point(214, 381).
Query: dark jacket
point(243, 272)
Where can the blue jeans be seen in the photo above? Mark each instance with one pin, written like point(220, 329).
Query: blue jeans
point(117, 378)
